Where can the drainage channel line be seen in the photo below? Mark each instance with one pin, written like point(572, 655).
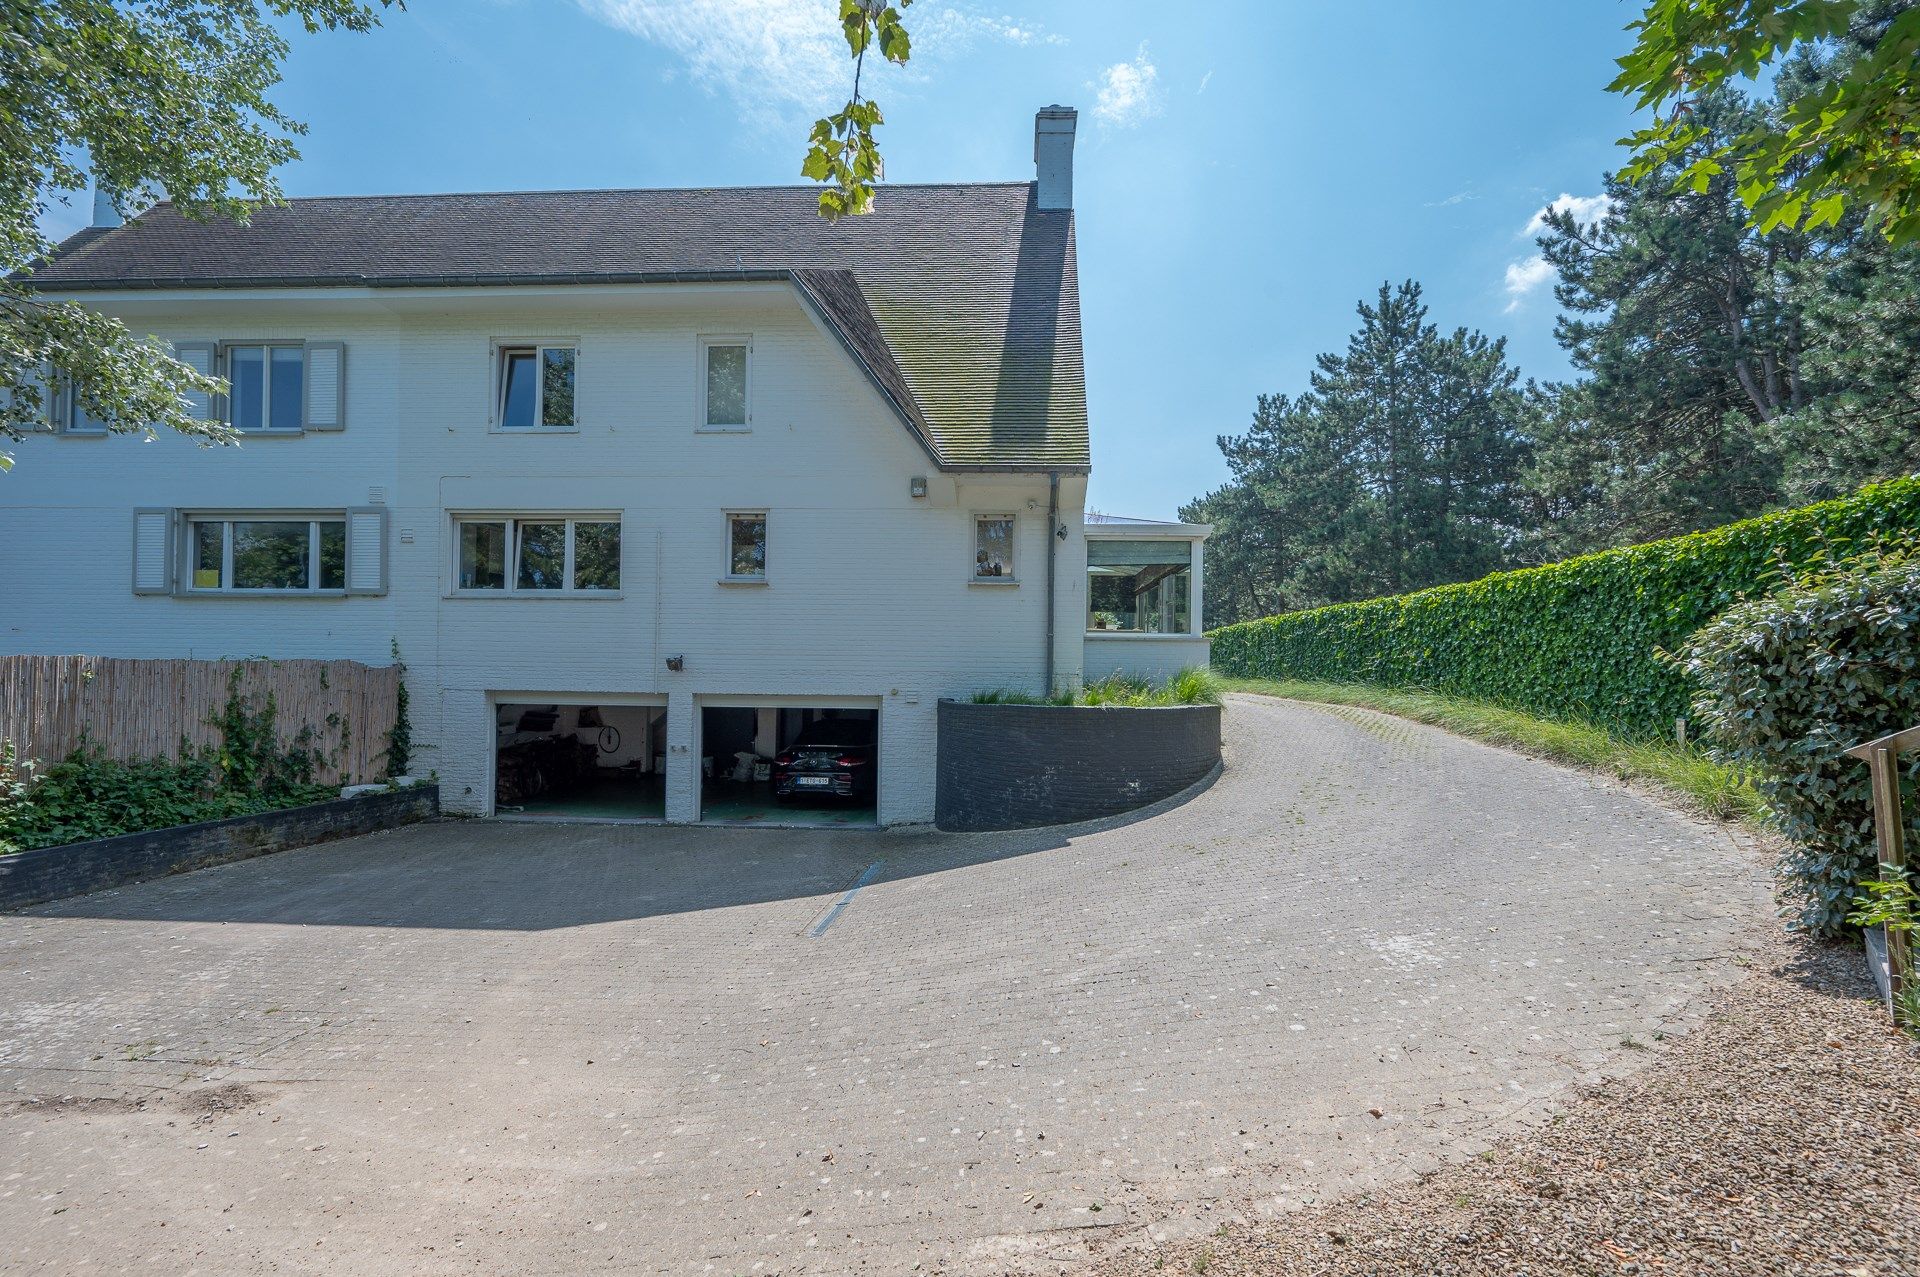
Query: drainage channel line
point(866, 877)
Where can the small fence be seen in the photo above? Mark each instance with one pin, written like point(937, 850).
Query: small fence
point(135, 709)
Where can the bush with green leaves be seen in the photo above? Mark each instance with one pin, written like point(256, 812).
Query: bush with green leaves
point(1582, 639)
point(1787, 684)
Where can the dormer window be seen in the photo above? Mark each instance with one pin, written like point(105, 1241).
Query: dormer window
point(536, 387)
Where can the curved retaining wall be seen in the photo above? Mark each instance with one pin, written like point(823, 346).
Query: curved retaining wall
point(1019, 766)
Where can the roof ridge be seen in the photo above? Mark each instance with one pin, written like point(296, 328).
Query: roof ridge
point(623, 190)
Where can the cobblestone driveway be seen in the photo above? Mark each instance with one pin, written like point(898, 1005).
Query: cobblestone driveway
point(501, 1048)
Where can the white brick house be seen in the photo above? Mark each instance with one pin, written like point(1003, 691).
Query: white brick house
point(622, 454)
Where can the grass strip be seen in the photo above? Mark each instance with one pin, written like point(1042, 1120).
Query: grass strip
point(1685, 773)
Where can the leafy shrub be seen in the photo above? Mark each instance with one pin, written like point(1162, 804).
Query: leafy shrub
point(1191, 686)
point(1582, 639)
point(1787, 683)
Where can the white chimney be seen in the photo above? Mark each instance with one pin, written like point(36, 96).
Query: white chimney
point(1053, 155)
point(104, 213)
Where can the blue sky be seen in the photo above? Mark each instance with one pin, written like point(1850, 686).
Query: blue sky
point(1245, 171)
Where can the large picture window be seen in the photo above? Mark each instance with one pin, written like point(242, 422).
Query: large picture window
point(1142, 587)
point(239, 555)
point(537, 555)
point(536, 387)
point(266, 386)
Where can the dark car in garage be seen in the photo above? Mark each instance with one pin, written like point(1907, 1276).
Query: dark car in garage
point(833, 758)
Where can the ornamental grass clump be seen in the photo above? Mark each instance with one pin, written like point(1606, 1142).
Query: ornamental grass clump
point(1193, 685)
point(1787, 684)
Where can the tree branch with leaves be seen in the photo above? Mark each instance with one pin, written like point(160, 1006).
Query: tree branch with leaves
point(1850, 141)
point(840, 148)
point(161, 97)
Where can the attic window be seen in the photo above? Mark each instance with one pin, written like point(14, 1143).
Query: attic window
point(536, 387)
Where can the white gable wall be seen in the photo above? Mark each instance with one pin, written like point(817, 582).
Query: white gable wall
point(868, 596)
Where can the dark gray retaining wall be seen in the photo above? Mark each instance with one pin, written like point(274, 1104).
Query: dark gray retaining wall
point(1018, 766)
point(53, 873)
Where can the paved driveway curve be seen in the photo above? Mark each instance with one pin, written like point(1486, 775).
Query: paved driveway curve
point(501, 1048)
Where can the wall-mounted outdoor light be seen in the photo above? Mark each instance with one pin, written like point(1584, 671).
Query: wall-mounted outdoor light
point(676, 663)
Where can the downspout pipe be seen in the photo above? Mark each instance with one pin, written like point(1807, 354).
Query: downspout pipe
point(1053, 546)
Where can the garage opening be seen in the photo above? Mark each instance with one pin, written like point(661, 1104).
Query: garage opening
point(579, 762)
point(788, 765)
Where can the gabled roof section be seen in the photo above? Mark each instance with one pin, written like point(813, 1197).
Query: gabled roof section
point(961, 303)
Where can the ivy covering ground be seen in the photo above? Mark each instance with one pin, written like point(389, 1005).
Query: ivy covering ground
point(1586, 639)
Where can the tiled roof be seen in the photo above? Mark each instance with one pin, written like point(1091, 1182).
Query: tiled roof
point(961, 302)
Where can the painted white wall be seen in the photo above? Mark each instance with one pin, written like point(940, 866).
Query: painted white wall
point(1150, 656)
point(867, 600)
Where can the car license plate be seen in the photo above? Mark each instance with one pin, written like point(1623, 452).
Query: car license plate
point(813, 782)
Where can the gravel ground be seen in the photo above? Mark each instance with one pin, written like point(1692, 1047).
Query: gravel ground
point(1782, 1135)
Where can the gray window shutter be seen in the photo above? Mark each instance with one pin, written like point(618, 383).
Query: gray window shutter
point(326, 385)
point(199, 356)
point(153, 551)
point(367, 550)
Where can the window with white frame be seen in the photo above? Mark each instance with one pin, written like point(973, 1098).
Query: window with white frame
point(537, 555)
point(723, 378)
point(266, 553)
point(266, 385)
point(1140, 587)
point(747, 545)
point(535, 387)
point(993, 548)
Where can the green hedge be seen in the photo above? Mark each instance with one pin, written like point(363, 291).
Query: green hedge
point(1581, 639)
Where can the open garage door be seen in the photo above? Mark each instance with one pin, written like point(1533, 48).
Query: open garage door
point(559, 760)
point(789, 764)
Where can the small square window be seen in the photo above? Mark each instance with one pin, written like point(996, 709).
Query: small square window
point(536, 387)
point(747, 547)
point(725, 377)
point(993, 547)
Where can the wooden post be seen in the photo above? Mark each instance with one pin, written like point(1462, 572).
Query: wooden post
point(1882, 758)
point(1890, 835)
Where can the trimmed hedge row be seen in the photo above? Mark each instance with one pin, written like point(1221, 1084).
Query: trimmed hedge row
point(1582, 639)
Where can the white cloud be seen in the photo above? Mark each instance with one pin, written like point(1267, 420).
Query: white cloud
point(954, 28)
point(781, 60)
point(1204, 81)
point(776, 58)
point(1525, 278)
point(1585, 209)
point(1129, 91)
